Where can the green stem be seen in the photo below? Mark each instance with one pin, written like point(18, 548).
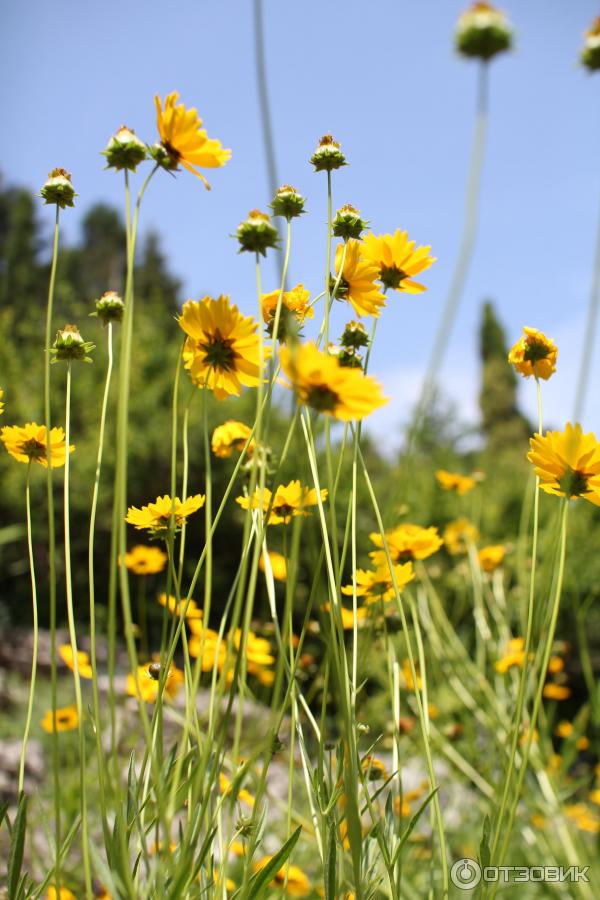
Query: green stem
point(35, 632)
point(587, 353)
point(52, 550)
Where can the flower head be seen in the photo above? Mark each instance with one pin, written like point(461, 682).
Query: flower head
point(156, 517)
point(406, 543)
point(358, 280)
point(28, 443)
point(452, 481)
point(322, 383)
point(69, 346)
point(295, 880)
point(534, 354)
point(328, 155)
point(590, 55)
point(348, 223)
point(230, 436)
point(397, 261)
point(109, 308)
point(458, 534)
point(58, 189)
point(491, 557)
point(567, 463)
point(223, 348)
point(514, 655)
point(257, 234)
point(186, 607)
point(145, 683)
point(83, 661)
point(184, 140)
point(348, 615)
point(62, 893)
point(483, 31)
point(125, 150)
point(289, 500)
point(277, 564)
point(553, 691)
point(294, 305)
point(142, 560)
point(66, 719)
point(288, 202)
point(378, 585)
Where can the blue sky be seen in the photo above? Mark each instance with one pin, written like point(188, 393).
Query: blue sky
point(384, 79)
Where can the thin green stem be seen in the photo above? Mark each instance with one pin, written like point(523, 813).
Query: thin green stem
point(587, 353)
point(35, 632)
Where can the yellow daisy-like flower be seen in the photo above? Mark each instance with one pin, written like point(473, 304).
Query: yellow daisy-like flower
point(206, 640)
point(406, 543)
point(567, 463)
point(289, 500)
point(322, 383)
point(452, 481)
point(298, 884)
point(397, 260)
point(192, 610)
point(295, 301)
point(458, 534)
point(66, 719)
point(230, 436)
point(62, 893)
point(83, 661)
point(514, 656)
point(243, 795)
point(277, 563)
point(583, 818)
point(28, 443)
point(222, 349)
point(374, 769)
point(142, 560)
point(348, 615)
point(377, 585)
point(491, 557)
point(554, 691)
point(534, 354)
point(409, 681)
point(185, 140)
point(145, 683)
point(358, 282)
point(156, 517)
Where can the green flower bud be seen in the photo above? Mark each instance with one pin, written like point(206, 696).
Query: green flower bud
point(328, 155)
point(287, 202)
point(69, 345)
point(354, 336)
point(58, 189)
point(590, 55)
point(347, 223)
point(125, 150)
point(482, 32)
point(346, 357)
point(163, 158)
point(256, 234)
point(109, 308)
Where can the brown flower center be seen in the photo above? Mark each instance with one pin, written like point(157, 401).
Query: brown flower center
point(392, 277)
point(33, 449)
point(219, 352)
point(536, 351)
point(322, 398)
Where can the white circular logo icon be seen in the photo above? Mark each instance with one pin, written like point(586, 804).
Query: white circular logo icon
point(465, 874)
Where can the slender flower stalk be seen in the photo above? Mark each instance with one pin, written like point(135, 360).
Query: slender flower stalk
point(35, 629)
point(587, 351)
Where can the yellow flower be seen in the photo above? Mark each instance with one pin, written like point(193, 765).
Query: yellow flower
point(564, 729)
point(514, 656)
point(185, 140)
point(145, 683)
point(222, 349)
point(554, 691)
point(243, 795)
point(406, 542)
point(555, 664)
point(230, 436)
point(322, 383)
point(595, 796)
point(258, 654)
point(66, 719)
point(409, 681)
point(295, 301)
point(582, 743)
point(83, 661)
point(348, 615)
point(534, 354)
point(143, 560)
point(452, 481)
point(278, 565)
point(289, 500)
point(156, 517)
point(377, 585)
point(567, 463)
point(582, 817)
point(298, 884)
point(397, 260)
point(62, 893)
point(457, 535)
point(206, 640)
point(27, 443)
point(374, 768)
point(357, 284)
point(191, 607)
point(491, 557)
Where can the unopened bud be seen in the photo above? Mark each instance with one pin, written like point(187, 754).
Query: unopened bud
point(347, 223)
point(109, 308)
point(482, 32)
point(590, 55)
point(69, 345)
point(257, 234)
point(58, 189)
point(328, 155)
point(125, 150)
point(288, 202)
point(354, 336)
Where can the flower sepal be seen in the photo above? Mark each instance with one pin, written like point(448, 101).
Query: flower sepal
point(257, 234)
point(125, 150)
point(69, 345)
point(58, 189)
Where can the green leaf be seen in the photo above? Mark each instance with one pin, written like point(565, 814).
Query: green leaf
point(264, 876)
point(484, 847)
point(17, 846)
point(331, 866)
point(411, 825)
